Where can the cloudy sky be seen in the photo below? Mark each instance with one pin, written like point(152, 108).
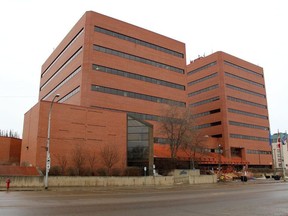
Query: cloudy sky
point(255, 31)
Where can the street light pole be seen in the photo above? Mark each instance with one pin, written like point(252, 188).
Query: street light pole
point(48, 143)
point(219, 159)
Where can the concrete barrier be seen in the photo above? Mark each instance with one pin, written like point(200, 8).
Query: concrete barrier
point(23, 181)
point(192, 177)
point(78, 181)
point(93, 181)
point(186, 172)
point(203, 179)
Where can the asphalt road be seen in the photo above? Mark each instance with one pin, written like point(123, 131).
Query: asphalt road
point(220, 199)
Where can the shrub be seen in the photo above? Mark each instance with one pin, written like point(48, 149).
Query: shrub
point(133, 171)
point(102, 172)
point(55, 171)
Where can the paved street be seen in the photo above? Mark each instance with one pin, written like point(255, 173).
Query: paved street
point(220, 199)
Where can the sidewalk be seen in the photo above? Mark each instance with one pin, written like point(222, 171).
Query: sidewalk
point(255, 181)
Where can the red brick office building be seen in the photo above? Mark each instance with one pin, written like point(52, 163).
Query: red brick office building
point(109, 73)
point(228, 98)
point(10, 150)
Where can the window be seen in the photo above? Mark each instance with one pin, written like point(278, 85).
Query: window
point(252, 151)
point(241, 124)
point(243, 69)
point(240, 112)
point(142, 116)
point(138, 59)
point(202, 79)
point(63, 82)
point(203, 90)
point(69, 95)
point(206, 113)
point(201, 68)
point(61, 68)
point(238, 100)
point(236, 152)
point(137, 77)
point(137, 41)
point(208, 125)
point(137, 141)
point(210, 100)
point(240, 136)
point(161, 140)
point(137, 95)
point(245, 91)
point(62, 52)
point(244, 80)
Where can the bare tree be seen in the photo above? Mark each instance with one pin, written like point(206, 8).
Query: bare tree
point(92, 159)
point(79, 158)
point(62, 161)
point(9, 133)
point(110, 156)
point(177, 124)
point(194, 144)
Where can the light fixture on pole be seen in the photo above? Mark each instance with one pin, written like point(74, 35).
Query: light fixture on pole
point(48, 142)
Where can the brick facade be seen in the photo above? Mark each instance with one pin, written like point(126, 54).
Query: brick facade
point(72, 127)
point(10, 150)
point(118, 68)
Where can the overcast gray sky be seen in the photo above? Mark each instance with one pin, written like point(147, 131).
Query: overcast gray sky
point(255, 31)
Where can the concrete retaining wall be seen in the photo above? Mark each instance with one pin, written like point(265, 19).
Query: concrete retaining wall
point(185, 172)
point(65, 181)
point(203, 179)
point(78, 181)
point(23, 181)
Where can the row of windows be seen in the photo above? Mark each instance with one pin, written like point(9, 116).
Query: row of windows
point(144, 117)
point(203, 90)
point(210, 100)
point(161, 140)
point(202, 68)
point(137, 41)
point(208, 125)
point(61, 68)
point(137, 76)
point(244, 80)
point(246, 102)
point(248, 125)
point(245, 91)
point(135, 115)
point(136, 95)
point(63, 82)
point(69, 95)
point(240, 136)
point(206, 113)
point(63, 51)
point(243, 69)
point(150, 117)
point(251, 151)
point(247, 113)
point(138, 59)
point(202, 79)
